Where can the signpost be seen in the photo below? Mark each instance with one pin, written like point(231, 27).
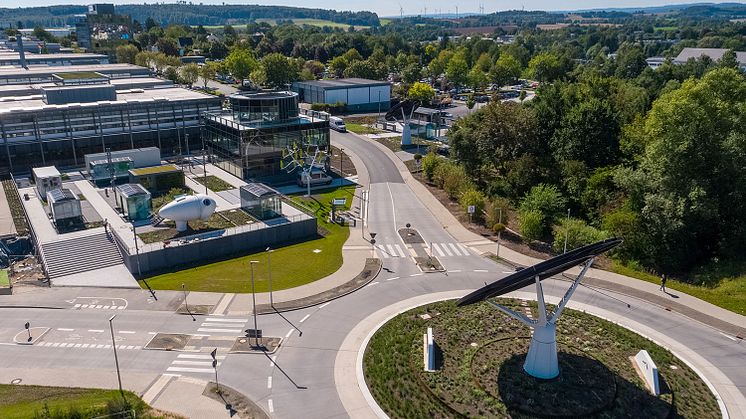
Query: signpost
point(214, 354)
point(471, 210)
point(28, 329)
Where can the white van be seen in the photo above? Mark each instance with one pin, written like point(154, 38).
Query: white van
point(337, 124)
point(315, 178)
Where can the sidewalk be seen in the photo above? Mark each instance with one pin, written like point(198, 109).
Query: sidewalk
point(685, 304)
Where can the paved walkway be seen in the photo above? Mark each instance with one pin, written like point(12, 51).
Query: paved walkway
point(7, 227)
point(682, 301)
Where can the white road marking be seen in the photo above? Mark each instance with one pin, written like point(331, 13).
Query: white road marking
point(455, 270)
point(201, 329)
point(120, 307)
point(325, 304)
point(76, 306)
point(194, 363)
point(127, 332)
point(729, 337)
point(78, 345)
point(223, 304)
point(373, 283)
point(85, 345)
point(305, 318)
point(391, 279)
point(455, 249)
point(463, 249)
point(269, 382)
point(185, 369)
point(99, 346)
point(446, 250)
point(55, 344)
point(84, 306)
point(480, 270)
point(156, 388)
point(196, 356)
point(272, 360)
point(416, 274)
point(290, 332)
point(106, 307)
point(62, 329)
point(392, 251)
point(218, 324)
point(270, 406)
point(224, 320)
point(435, 249)
point(96, 330)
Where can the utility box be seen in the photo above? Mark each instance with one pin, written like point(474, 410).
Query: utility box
point(64, 204)
point(134, 200)
point(46, 179)
point(261, 201)
point(102, 171)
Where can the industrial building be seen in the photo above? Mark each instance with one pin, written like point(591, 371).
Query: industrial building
point(77, 113)
point(715, 54)
point(28, 59)
point(16, 75)
point(249, 139)
point(357, 95)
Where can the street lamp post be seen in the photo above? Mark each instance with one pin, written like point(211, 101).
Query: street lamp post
point(116, 358)
point(269, 268)
point(253, 299)
point(341, 163)
point(204, 167)
point(137, 250)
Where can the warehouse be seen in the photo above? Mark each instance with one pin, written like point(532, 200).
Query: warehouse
point(357, 95)
point(17, 75)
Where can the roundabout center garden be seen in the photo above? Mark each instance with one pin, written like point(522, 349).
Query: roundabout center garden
point(479, 358)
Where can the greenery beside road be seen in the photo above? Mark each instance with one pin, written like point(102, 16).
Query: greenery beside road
point(25, 401)
point(213, 183)
point(292, 265)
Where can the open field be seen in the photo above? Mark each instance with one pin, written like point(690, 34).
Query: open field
point(292, 265)
point(22, 401)
point(480, 353)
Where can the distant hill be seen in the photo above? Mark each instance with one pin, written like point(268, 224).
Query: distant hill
point(190, 14)
point(689, 9)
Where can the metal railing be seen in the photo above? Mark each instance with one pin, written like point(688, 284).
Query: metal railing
point(34, 237)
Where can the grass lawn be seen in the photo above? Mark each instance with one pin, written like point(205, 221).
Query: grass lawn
point(217, 221)
point(727, 293)
point(213, 183)
point(361, 129)
point(292, 266)
point(4, 281)
point(22, 401)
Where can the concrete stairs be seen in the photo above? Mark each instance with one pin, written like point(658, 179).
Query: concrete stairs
point(83, 254)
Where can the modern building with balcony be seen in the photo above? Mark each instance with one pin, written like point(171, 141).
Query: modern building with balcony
point(248, 139)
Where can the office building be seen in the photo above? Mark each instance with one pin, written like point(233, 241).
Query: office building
point(715, 54)
point(357, 95)
point(16, 75)
point(248, 140)
point(79, 113)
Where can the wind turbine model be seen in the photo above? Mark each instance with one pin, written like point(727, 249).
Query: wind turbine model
point(295, 157)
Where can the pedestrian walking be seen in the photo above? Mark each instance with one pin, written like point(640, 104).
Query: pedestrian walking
point(106, 226)
point(664, 278)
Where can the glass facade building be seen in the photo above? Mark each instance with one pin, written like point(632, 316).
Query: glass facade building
point(248, 140)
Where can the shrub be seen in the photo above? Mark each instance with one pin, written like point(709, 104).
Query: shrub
point(545, 199)
point(531, 224)
point(473, 197)
point(430, 162)
point(456, 181)
point(578, 233)
point(442, 172)
point(498, 227)
point(493, 209)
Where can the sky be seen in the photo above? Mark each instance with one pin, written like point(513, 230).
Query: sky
point(391, 7)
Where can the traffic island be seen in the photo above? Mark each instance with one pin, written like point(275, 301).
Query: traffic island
point(168, 342)
point(410, 236)
point(236, 404)
point(248, 345)
point(370, 271)
point(482, 374)
point(429, 264)
point(195, 309)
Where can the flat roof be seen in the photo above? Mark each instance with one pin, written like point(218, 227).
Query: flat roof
point(77, 75)
point(45, 172)
point(343, 83)
point(165, 94)
point(259, 190)
point(7, 70)
point(714, 53)
point(164, 168)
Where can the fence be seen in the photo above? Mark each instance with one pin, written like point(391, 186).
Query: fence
point(34, 239)
point(215, 244)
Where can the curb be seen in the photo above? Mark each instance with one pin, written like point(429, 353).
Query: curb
point(316, 303)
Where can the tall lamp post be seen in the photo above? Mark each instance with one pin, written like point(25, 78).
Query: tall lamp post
point(116, 358)
point(269, 268)
point(341, 163)
point(253, 299)
point(137, 249)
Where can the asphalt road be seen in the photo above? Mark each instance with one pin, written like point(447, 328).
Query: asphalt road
point(298, 380)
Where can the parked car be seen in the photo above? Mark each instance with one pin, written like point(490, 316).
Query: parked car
point(337, 124)
point(315, 178)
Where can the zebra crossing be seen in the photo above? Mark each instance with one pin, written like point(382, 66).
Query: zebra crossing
point(391, 251)
point(449, 249)
point(227, 330)
point(194, 363)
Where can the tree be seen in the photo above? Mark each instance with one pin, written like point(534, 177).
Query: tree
point(411, 73)
point(589, 133)
point(279, 71)
point(316, 68)
point(422, 93)
point(575, 233)
point(729, 60)
point(367, 69)
point(338, 65)
point(126, 53)
point(477, 79)
point(630, 61)
point(473, 197)
point(505, 70)
point(189, 73)
point(545, 199)
point(209, 71)
point(457, 70)
point(531, 224)
point(150, 24)
point(167, 46)
point(42, 35)
point(545, 67)
point(241, 62)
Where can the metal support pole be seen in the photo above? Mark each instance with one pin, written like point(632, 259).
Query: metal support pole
point(137, 250)
point(253, 299)
point(269, 268)
point(116, 358)
point(567, 230)
point(204, 167)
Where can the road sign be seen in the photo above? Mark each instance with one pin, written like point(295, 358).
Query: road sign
point(214, 353)
point(254, 333)
point(472, 209)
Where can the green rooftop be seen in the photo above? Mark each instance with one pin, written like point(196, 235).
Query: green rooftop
point(166, 168)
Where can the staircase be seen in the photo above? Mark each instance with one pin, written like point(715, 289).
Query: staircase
point(78, 255)
point(155, 219)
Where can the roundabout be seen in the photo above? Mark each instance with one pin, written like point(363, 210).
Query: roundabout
point(480, 357)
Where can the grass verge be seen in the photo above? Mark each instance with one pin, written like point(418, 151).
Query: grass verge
point(22, 401)
point(727, 293)
point(213, 183)
point(292, 266)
